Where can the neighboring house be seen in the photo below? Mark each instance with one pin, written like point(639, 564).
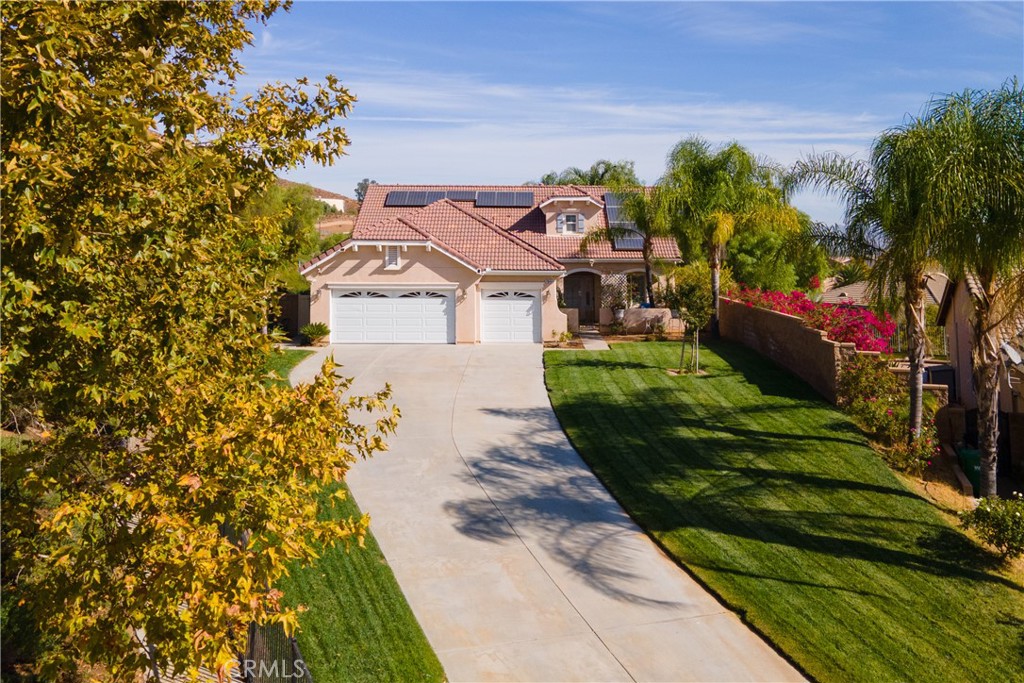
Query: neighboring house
point(955, 314)
point(467, 264)
point(338, 201)
point(858, 294)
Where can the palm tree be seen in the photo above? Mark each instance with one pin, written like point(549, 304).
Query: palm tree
point(855, 270)
point(644, 214)
point(887, 218)
point(977, 195)
point(720, 192)
point(601, 172)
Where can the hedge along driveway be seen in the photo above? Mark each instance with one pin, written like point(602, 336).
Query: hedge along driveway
point(775, 501)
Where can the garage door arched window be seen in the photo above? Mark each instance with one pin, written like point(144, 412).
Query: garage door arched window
point(510, 315)
point(510, 295)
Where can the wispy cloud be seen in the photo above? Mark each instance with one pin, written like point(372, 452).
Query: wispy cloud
point(759, 23)
point(994, 18)
point(432, 127)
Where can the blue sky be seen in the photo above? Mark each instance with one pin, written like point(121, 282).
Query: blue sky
point(502, 92)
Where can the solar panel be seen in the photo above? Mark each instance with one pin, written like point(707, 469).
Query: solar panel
point(486, 199)
point(629, 242)
point(413, 197)
point(522, 200)
point(505, 199)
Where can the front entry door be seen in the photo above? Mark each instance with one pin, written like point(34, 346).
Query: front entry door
point(581, 294)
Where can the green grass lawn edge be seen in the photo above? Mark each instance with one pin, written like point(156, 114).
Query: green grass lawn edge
point(773, 500)
point(357, 625)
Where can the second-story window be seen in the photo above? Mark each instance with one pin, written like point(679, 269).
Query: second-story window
point(571, 223)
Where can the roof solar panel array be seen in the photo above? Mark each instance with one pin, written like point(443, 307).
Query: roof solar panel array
point(482, 198)
point(617, 219)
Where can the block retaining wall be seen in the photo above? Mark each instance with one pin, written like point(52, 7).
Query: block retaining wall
point(804, 351)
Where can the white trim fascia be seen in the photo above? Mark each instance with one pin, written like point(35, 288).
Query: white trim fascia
point(601, 260)
point(355, 244)
point(538, 273)
point(521, 286)
point(405, 286)
point(556, 199)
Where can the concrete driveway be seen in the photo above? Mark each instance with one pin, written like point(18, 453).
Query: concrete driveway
point(517, 562)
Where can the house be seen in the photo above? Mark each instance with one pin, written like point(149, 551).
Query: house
point(474, 263)
point(340, 202)
point(955, 314)
point(859, 293)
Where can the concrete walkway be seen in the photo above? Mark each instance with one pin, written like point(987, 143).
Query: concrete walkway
point(516, 561)
point(593, 341)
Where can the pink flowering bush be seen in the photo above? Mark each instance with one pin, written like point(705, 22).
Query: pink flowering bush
point(918, 454)
point(841, 323)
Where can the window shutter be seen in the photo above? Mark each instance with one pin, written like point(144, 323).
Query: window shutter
point(560, 223)
point(580, 224)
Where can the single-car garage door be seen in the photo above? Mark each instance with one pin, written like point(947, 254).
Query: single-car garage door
point(510, 316)
point(419, 316)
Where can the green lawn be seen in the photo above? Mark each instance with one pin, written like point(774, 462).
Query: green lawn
point(282, 361)
point(358, 626)
point(774, 500)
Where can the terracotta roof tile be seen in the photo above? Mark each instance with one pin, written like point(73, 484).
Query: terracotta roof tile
point(469, 236)
point(498, 238)
point(527, 223)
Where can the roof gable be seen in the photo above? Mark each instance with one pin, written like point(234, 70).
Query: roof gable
point(490, 236)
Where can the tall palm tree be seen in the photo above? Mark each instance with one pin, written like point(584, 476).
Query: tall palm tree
point(719, 192)
point(887, 218)
point(644, 213)
point(977, 196)
point(601, 172)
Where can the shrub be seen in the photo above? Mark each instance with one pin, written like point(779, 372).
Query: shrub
point(859, 326)
point(874, 396)
point(1000, 523)
point(913, 456)
point(314, 332)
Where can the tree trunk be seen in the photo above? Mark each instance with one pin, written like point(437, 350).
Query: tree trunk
point(913, 306)
point(986, 380)
point(649, 283)
point(716, 267)
point(682, 352)
point(696, 350)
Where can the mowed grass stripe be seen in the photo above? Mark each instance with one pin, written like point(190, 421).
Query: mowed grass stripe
point(775, 501)
point(358, 625)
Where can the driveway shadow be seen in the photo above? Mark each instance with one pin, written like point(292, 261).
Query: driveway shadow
point(542, 493)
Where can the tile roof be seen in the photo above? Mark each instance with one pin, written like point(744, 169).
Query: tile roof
point(526, 223)
point(473, 238)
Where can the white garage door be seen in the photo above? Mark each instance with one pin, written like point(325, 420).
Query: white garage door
point(510, 316)
point(418, 316)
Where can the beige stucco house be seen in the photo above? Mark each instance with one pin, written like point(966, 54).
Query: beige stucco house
point(475, 264)
point(956, 311)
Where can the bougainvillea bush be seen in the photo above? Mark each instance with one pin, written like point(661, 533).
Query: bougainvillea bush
point(841, 323)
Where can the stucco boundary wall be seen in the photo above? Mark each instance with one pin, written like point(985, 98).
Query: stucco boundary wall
point(806, 352)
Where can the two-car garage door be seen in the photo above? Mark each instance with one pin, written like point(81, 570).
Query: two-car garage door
point(427, 316)
point(420, 316)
